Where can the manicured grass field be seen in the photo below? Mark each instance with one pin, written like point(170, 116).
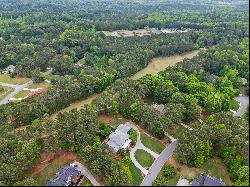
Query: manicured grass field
point(7, 79)
point(152, 143)
point(49, 172)
point(5, 92)
point(144, 158)
point(22, 94)
point(136, 175)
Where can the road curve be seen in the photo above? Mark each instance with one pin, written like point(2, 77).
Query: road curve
point(17, 88)
point(244, 103)
point(158, 164)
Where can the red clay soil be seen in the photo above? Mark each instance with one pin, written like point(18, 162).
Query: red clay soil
point(48, 157)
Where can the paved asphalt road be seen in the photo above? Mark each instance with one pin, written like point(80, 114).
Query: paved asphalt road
point(158, 164)
point(17, 88)
point(244, 102)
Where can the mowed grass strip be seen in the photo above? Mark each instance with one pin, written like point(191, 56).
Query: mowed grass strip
point(144, 158)
point(7, 79)
point(152, 143)
point(137, 176)
point(4, 91)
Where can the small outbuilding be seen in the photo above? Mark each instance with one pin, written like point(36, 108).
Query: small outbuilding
point(9, 69)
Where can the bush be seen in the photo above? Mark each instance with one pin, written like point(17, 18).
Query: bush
point(159, 181)
point(133, 135)
point(169, 171)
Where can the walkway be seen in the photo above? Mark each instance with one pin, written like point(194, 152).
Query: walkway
point(17, 88)
point(139, 145)
point(87, 174)
point(244, 103)
point(158, 164)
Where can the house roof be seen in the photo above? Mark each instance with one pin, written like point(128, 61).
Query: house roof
point(66, 174)
point(206, 180)
point(159, 107)
point(119, 138)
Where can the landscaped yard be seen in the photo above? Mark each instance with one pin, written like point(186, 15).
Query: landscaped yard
point(51, 76)
point(4, 91)
point(22, 94)
point(136, 175)
point(144, 158)
point(234, 105)
point(7, 79)
point(152, 143)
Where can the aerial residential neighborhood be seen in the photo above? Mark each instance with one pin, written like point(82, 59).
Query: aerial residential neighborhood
point(124, 93)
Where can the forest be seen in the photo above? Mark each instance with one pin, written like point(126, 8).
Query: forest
point(62, 35)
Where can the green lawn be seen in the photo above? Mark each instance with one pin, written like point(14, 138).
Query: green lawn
point(137, 176)
point(173, 181)
point(215, 167)
point(49, 172)
point(86, 182)
point(144, 158)
point(7, 79)
point(22, 94)
point(152, 143)
point(39, 85)
point(6, 90)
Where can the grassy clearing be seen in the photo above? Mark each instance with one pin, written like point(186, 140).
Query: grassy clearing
point(49, 172)
point(173, 181)
point(215, 167)
point(51, 76)
point(144, 158)
point(22, 94)
point(7, 79)
point(152, 143)
point(39, 85)
point(179, 132)
point(4, 91)
point(137, 176)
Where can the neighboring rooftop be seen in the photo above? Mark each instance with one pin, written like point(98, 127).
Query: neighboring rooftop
point(120, 138)
point(159, 107)
point(66, 176)
point(206, 180)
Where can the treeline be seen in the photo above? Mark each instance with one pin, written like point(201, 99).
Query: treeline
point(220, 135)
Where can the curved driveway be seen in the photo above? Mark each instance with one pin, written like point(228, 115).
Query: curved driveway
point(17, 88)
point(244, 103)
point(158, 164)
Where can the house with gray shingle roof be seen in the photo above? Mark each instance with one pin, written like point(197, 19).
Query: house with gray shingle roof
point(206, 180)
point(67, 176)
point(119, 139)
